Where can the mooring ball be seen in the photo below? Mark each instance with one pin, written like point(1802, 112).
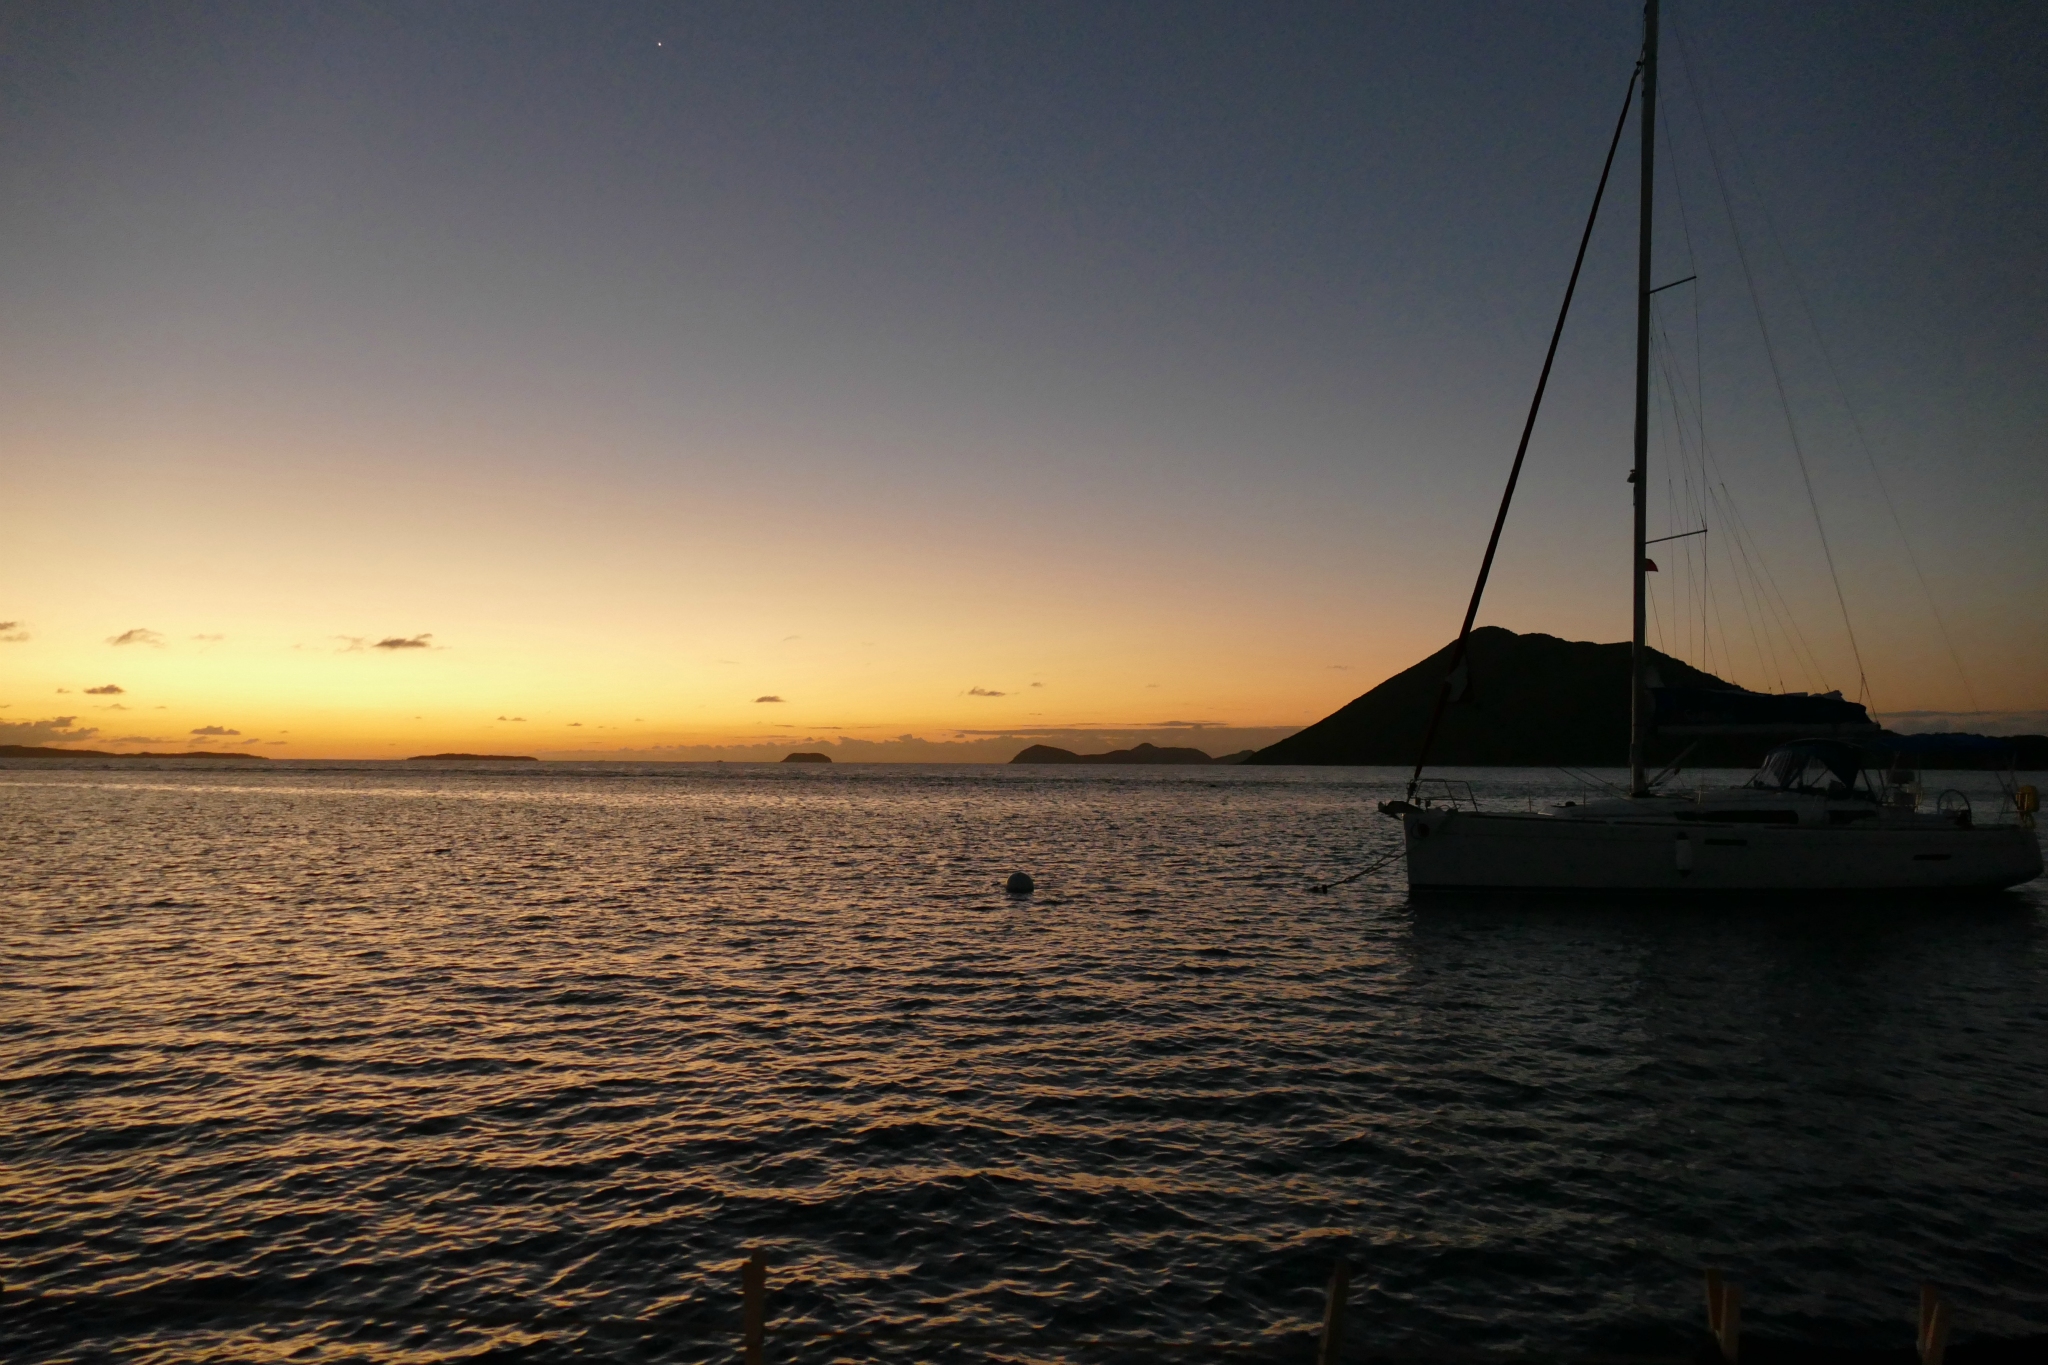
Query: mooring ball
point(1020, 884)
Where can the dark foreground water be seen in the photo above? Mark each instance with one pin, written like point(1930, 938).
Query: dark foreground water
point(367, 1063)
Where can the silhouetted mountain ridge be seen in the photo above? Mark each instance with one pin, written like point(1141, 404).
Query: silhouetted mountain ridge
point(1530, 700)
point(1537, 701)
point(1140, 753)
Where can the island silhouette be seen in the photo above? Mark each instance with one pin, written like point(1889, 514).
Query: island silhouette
point(472, 758)
point(1139, 753)
point(1534, 700)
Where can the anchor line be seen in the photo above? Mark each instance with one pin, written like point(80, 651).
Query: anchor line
point(1323, 888)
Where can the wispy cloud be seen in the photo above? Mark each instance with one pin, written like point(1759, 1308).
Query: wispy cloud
point(12, 633)
point(113, 706)
point(513, 720)
point(354, 644)
point(215, 730)
point(209, 639)
point(140, 635)
point(759, 700)
point(1038, 684)
point(108, 690)
point(985, 692)
point(1132, 727)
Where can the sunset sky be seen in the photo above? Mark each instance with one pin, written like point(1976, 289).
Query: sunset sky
point(674, 380)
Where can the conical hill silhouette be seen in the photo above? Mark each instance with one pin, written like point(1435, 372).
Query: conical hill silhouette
point(1530, 700)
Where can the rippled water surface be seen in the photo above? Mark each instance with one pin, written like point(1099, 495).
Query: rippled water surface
point(362, 1062)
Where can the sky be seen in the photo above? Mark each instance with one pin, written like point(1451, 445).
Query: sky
point(909, 380)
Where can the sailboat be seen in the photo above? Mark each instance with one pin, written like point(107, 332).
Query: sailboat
point(1820, 815)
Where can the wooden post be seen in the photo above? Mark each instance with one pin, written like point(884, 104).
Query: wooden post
point(754, 1300)
point(1933, 1339)
point(1333, 1314)
point(1724, 1315)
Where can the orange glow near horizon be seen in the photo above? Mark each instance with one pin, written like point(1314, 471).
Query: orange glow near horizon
point(1169, 394)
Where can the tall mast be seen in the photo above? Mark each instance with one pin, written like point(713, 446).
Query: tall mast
point(1639, 696)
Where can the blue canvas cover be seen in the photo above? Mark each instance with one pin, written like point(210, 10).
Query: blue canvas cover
point(1807, 764)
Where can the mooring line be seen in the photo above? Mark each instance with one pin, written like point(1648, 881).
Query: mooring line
point(1322, 888)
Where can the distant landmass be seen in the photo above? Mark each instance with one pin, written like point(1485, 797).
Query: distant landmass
point(1142, 753)
point(1537, 701)
point(31, 751)
point(807, 758)
point(472, 758)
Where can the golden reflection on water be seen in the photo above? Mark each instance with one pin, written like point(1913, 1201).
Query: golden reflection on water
point(396, 1064)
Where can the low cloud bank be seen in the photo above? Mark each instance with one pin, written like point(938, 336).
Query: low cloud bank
point(55, 729)
point(1965, 722)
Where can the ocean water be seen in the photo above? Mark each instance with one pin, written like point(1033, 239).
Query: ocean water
point(369, 1063)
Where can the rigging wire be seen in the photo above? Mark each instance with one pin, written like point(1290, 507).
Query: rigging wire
point(1678, 510)
point(1703, 498)
point(1856, 425)
point(1764, 607)
point(1699, 395)
point(1457, 657)
point(1694, 509)
point(1772, 597)
point(1777, 375)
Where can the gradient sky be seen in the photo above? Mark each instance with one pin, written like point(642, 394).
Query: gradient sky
point(958, 368)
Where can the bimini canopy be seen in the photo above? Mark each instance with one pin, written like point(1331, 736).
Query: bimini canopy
point(1806, 764)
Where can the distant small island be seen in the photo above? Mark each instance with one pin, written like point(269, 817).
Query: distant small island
point(472, 758)
point(1142, 753)
point(807, 758)
point(31, 751)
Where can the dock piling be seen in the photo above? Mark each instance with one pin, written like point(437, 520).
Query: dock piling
point(754, 1301)
point(1933, 1339)
point(1333, 1314)
point(1724, 1315)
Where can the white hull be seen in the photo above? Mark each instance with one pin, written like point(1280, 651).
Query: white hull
point(1480, 850)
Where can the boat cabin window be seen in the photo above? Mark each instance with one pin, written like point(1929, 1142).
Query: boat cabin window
point(1815, 767)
